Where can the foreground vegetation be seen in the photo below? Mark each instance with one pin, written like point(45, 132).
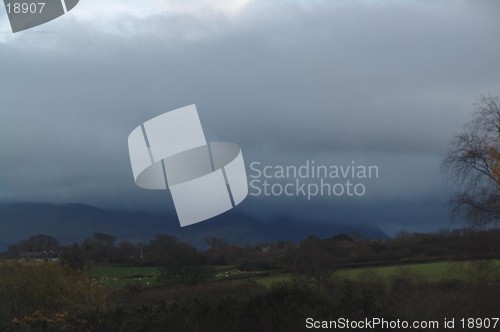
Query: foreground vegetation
point(48, 296)
point(166, 284)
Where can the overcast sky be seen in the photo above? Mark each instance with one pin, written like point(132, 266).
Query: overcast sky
point(384, 83)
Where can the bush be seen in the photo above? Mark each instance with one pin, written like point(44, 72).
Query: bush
point(43, 288)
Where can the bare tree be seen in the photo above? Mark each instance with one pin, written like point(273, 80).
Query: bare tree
point(473, 164)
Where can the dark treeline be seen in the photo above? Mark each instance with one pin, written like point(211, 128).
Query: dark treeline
point(338, 251)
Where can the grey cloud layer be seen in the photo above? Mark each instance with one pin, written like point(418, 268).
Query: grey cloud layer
point(387, 82)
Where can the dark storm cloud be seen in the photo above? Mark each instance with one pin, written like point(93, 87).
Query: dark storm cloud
point(384, 82)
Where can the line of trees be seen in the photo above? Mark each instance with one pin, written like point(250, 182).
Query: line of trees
point(314, 257)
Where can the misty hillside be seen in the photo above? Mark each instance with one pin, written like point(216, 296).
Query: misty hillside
point(71, 223)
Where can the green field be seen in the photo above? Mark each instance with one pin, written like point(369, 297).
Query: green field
point(146, 276)
point(428, 271)
point(272, 278)
point(433, 272)
point(117, 276)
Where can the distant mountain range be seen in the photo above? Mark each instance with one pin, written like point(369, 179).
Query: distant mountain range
point(72, 223)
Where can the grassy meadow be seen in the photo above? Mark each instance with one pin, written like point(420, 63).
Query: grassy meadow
point(148, 276)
